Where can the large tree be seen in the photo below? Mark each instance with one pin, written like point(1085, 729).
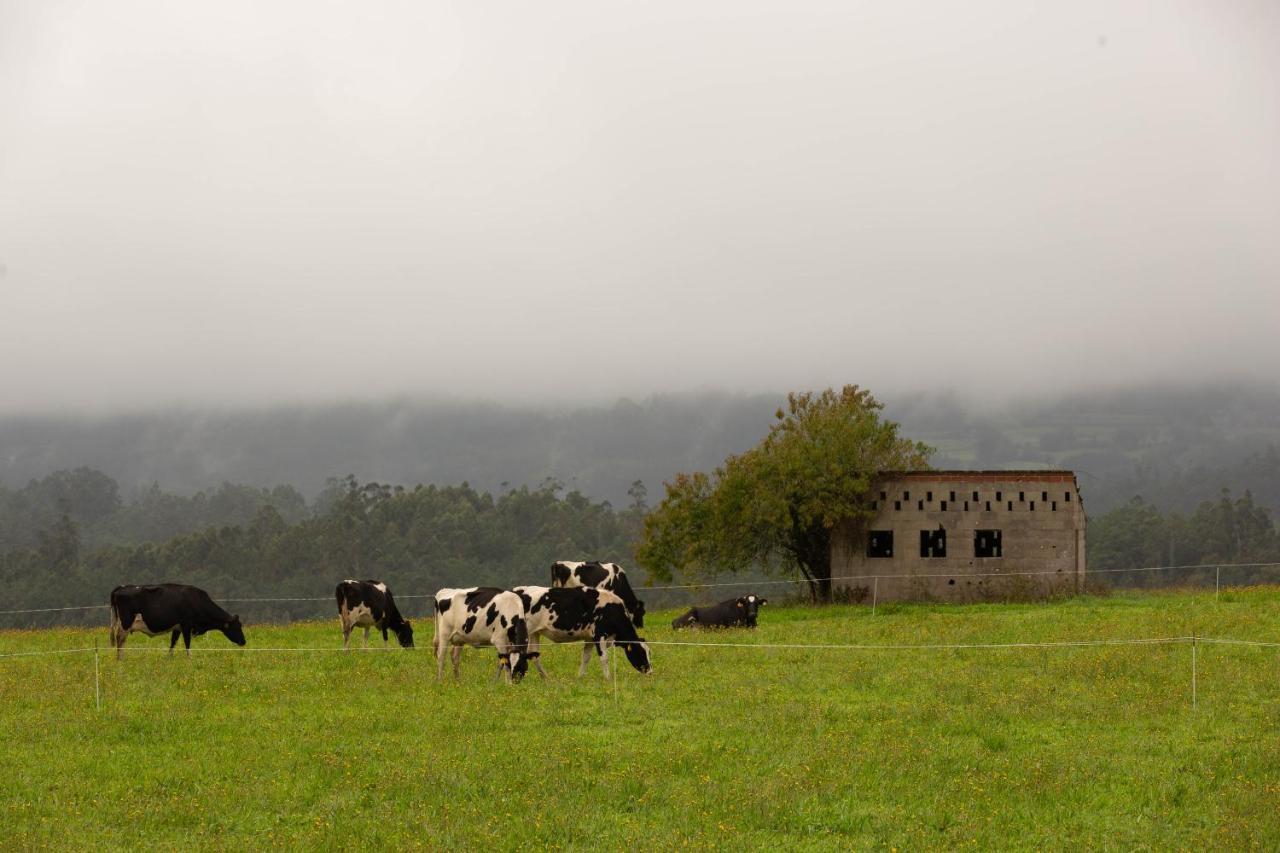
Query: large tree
point(776, 505)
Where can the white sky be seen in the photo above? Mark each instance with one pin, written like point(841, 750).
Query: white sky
point(220, 202)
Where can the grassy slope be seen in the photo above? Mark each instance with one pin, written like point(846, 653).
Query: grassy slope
point(819, 749)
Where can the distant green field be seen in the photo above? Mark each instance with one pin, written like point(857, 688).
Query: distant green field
point(1028, 748)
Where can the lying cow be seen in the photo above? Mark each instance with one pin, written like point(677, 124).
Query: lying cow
point(594, 617)
point(593, 575)
point(734, 613)
point(168, 607)
point(482, 616)
point(368, 604)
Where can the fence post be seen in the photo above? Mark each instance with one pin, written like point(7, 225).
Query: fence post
point(1217, 581)
point(1193, 671)
point(97, 690)
point(875, 590)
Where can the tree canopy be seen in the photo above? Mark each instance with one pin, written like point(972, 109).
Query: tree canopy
point(776, 505)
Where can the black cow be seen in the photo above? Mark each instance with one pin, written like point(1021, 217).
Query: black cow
point(734, 613)
point(175, 607)
point(595, 617)
point(482, 616)
point(368, 604)
point(596, 575)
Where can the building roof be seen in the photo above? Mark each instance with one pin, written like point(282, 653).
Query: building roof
point(985, 476)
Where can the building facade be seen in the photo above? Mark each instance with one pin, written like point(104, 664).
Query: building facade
point(964, 536)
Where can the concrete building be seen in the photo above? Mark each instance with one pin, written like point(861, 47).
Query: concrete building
point(964, 536)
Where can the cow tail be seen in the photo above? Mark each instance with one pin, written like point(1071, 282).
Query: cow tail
point(116, 629)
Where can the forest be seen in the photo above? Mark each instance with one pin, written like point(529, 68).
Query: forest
point(1167, 480)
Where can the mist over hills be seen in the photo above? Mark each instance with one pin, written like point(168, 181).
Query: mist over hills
point(1174, 446)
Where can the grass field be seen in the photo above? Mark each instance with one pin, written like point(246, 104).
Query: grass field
point(799, 748)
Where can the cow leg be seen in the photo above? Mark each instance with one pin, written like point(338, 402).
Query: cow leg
point(586, 657)
point(346, 636)
point(366, 638)
point(502, 669)
point(186, 639)
point(456, 653)
point(124, 635)
point(603, 646)
point(441, 650)
point(384, 636)
point(173, 640)
point(535, 654)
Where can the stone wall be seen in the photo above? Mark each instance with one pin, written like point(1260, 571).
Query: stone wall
point(993, 525)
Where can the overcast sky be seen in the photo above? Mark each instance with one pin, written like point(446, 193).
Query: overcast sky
point(212, 202)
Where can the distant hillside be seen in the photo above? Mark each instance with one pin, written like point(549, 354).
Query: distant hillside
point(1175, 447)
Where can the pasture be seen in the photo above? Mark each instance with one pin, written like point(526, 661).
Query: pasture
point(1024, 748)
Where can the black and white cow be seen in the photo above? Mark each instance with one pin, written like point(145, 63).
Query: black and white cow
point(594, 575)
point(368, 604)
point(168, 607)
point(482, 616)
point(734, 613)
point(594, 617)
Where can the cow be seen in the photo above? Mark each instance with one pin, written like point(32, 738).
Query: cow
point(181, 609)
point(595, 617)
point(482, 616)
point(595, 575)
point(734, 613)
point(368, 604)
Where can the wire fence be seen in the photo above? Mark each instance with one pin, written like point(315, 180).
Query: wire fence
point(1194, 641)
point(299, 608)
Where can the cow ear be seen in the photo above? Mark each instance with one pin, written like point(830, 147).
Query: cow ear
point(739, 605)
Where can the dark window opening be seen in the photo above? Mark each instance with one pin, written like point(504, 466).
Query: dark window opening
point(1053, 507)
point(874, 504)
point(883, 496)
point(1033, 506)
point(988, 506)
point(919, 504)
point(999, 496)
point(1044, 496)
point(933, 543)
point(880, 543)
point(1022, 496)
point(986, 543)
point(966, 506)
point(975, 497)
point(1066, 496)
point(897, 504)
point(944, 506)
point(951, 582)
point(906, 496)
point(928, 496)
point(953, 497)
point(1010, 506)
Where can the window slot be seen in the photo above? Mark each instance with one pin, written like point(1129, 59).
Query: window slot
point(880, 544)
point(933, 543)
point(987, 543)
point(944, 506)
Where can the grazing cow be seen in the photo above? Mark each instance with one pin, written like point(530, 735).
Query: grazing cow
point(594, 575)
point(165, 607)
point(368, 604)
point(595, 617)
point(482, 616)
point(734, 613)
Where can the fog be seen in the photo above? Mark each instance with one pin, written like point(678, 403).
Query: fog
point(236, 202)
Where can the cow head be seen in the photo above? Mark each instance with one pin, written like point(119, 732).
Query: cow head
point(404, 633)
point(234, 631)
point(638, 654)
point(517, 657)
point(750, 606)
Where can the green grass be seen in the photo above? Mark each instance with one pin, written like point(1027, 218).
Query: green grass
point(1058, 748)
